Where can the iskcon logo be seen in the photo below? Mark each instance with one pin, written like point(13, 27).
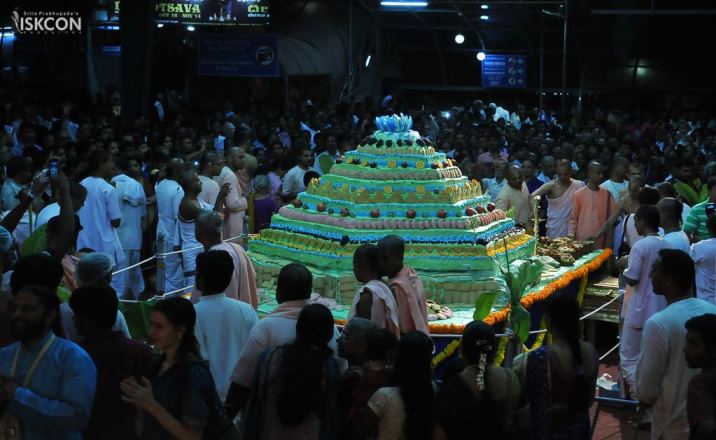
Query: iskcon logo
point(46, 22)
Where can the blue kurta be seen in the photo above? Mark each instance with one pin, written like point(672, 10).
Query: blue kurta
point(58, 401)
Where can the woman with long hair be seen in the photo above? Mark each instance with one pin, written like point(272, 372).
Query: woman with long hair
point(558, 379)
point(482, 394)
point(294, 394)
point(405, 410)
point(178, 397)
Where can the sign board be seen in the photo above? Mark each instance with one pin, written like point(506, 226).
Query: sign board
point(237, 55)
point(504, 71)
point(241, 13)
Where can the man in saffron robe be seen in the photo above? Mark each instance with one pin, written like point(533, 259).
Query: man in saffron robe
point(406, 286)
point(560, 195)
point(592, 206)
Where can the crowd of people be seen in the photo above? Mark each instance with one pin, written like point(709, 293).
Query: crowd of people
point(88, 194)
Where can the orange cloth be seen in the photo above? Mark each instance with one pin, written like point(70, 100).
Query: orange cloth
point(410, 296)
point(235, 205)
point(590, 210)
point(242, 286)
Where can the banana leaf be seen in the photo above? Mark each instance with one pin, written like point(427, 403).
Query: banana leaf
point(521, 322)
point(483, 305)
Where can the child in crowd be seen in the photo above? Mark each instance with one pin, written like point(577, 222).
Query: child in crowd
point(405, 284)
point(374, 299)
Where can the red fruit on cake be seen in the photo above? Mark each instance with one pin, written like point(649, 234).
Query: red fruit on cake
point(297, 203)
point(442, 213)
point(411, 213)
point(490, 206)
point(480, 209)
point(375, 213)
point(321, 207)
point(470, 212)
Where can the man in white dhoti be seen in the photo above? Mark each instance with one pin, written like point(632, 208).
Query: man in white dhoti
point(169, 195)
point(210, 167)
point(100, 216)
point(643, 303)
point(704, 255)
point(129, 283)
point(222, 324)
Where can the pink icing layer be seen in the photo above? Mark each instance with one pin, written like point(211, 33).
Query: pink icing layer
point(389, 223)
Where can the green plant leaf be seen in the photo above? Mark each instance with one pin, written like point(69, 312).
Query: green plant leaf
point(521, 322)
point(483, 305)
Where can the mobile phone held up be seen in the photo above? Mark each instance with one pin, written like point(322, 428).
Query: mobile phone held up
point(53, 168)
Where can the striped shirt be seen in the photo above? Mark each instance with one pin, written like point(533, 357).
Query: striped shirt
point(697, 222)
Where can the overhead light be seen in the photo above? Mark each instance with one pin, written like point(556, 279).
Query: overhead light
point(190, 28)
point(480, 56)
point(459, 38)
point(160, 25)
point(484, 17)
point(405, 4)
point(367, 61)
point(484, 7)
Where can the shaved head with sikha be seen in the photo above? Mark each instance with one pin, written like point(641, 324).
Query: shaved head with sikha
point(392, 249)
point(208, 229)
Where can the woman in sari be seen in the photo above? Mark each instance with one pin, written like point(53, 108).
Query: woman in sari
point(558, 379)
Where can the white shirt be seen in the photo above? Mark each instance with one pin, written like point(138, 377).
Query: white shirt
point(293, 180)
point(68, 323)
point(704, 255)
point(643, 302)
point(662, 377)
point(222, 327)
point(8, 194)
point(544, 178)
point(271, 331)
point(48, 212)
point(169, 195)
point(492, 187)
point(160, 109)
point(615, 188)
point(209, 190)
point(100, 208)
point(133, 203)
point(677, 240)
point(684, 212)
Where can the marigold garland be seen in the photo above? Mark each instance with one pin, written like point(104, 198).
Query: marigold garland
point(446, 353)
point(527, 301)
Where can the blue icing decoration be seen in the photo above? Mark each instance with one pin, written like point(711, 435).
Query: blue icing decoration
point(394, 123)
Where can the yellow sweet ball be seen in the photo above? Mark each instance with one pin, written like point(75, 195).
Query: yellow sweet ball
point(392, 164)
point(420, 165)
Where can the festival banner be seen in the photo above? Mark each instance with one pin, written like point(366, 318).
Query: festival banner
point(237, 55)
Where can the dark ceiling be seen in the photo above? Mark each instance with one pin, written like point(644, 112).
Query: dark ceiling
point(607, 40)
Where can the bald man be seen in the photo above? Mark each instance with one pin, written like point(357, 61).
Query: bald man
point(236, 204)
point(169, 195)
point(210, 167)
point(670, 220)
point(209, 227)
point(591, 207)
point(560, 195)
point(405, 284)
point(515, 195)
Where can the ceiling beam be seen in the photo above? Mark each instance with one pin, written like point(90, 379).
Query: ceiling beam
point(653, 11)
point(467, 28)
point(520, 51)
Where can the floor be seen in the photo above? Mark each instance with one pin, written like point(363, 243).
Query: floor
point(613, 422)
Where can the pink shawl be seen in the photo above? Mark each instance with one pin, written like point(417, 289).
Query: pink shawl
point(410, 297)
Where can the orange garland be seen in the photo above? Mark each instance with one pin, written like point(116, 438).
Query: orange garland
point(532, 298)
